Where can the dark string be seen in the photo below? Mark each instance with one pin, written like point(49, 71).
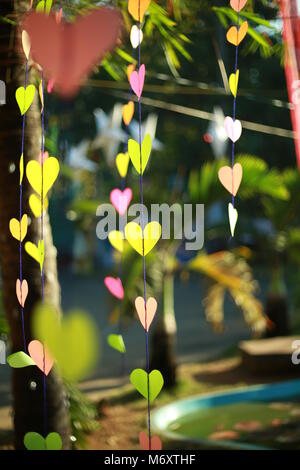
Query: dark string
point(143, 243)
point(21, 195)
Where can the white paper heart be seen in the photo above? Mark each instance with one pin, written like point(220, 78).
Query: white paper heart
point(136, 36)
point(233, 128)
point(233, 217)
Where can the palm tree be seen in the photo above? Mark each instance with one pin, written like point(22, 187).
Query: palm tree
point(27, 399)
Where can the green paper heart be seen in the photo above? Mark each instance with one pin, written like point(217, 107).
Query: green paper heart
point(138, 378)
point(116, 342)
point(34, 441)
point(20, 359)
point(41, 7)
point(72, 340)
point(135, 154)
point(24, 97)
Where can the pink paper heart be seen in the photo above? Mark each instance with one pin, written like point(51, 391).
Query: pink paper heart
point(238, 5)
point(231, 177)
point(58, 15)
point(121, 199)
point(156, 443)
point(115, 287)
point(41, 356)
point(151, 310)
point(21, 291)
point(233, 128)
point(137, 80)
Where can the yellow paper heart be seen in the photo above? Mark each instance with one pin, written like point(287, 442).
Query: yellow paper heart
point(135, 236)
point(50, 173)
point(35, 205)
point(128, 112)
point(129, 70)
point(18, 231)
point(36, 252)
point(24, 97)
point(135, 154)
point(122, 161)
point(116, 239)
point(233, 82)
point(21, 167)
point(138, 8)
point(72, 340)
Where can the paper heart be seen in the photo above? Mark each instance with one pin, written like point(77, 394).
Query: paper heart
point(233, 82)
point(26, 44)
point(116, 342)
point(233, 217)
point(129, 70)
point(35, 205)
point(115, 287)
point(86, 41)
point(21, 168)
point(122, 161)
point(235, 36)
point(233, 128)
point(25, 97)
point(21, 291)
point(138, 8)
point(19, 360)
point(135, 154)
point(34, 441)
point(41, 356)
point(44, 7)
point(50, 170)
point(71, 339)
point(127, 113)
point(137, 80)
point(136, 36)
point(150, 235)
point(36, 252)
point(151, 308)
point(231, 177)
point(156, 443)
point(116, 239)
point(58, 15)
point(121, 199)
point(139, 380)
point(17, 229)
point(238, 5)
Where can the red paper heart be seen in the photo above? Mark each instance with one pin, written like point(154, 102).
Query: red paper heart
point(68, 52)
point(156, 443)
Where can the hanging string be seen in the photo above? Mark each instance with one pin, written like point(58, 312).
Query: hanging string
point(143, 242)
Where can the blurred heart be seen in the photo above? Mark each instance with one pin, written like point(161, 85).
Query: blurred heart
point(115, 287)
point(136, 36)
point(69, 52)
point(121, 199)
point(156, 443)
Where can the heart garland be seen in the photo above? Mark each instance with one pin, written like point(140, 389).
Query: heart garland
point(231, 178)
point(143, 237)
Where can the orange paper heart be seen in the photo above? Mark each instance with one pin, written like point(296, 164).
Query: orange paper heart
point(41, 356)
point(129, 70)
point(231, 177)
point(138, 8)
point(238, 5)
point(235, 36)
point(151, 307)
point(127, 112)
point(144, 442)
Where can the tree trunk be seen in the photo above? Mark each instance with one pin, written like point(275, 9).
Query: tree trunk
point(164, 337)
point(27, 399)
